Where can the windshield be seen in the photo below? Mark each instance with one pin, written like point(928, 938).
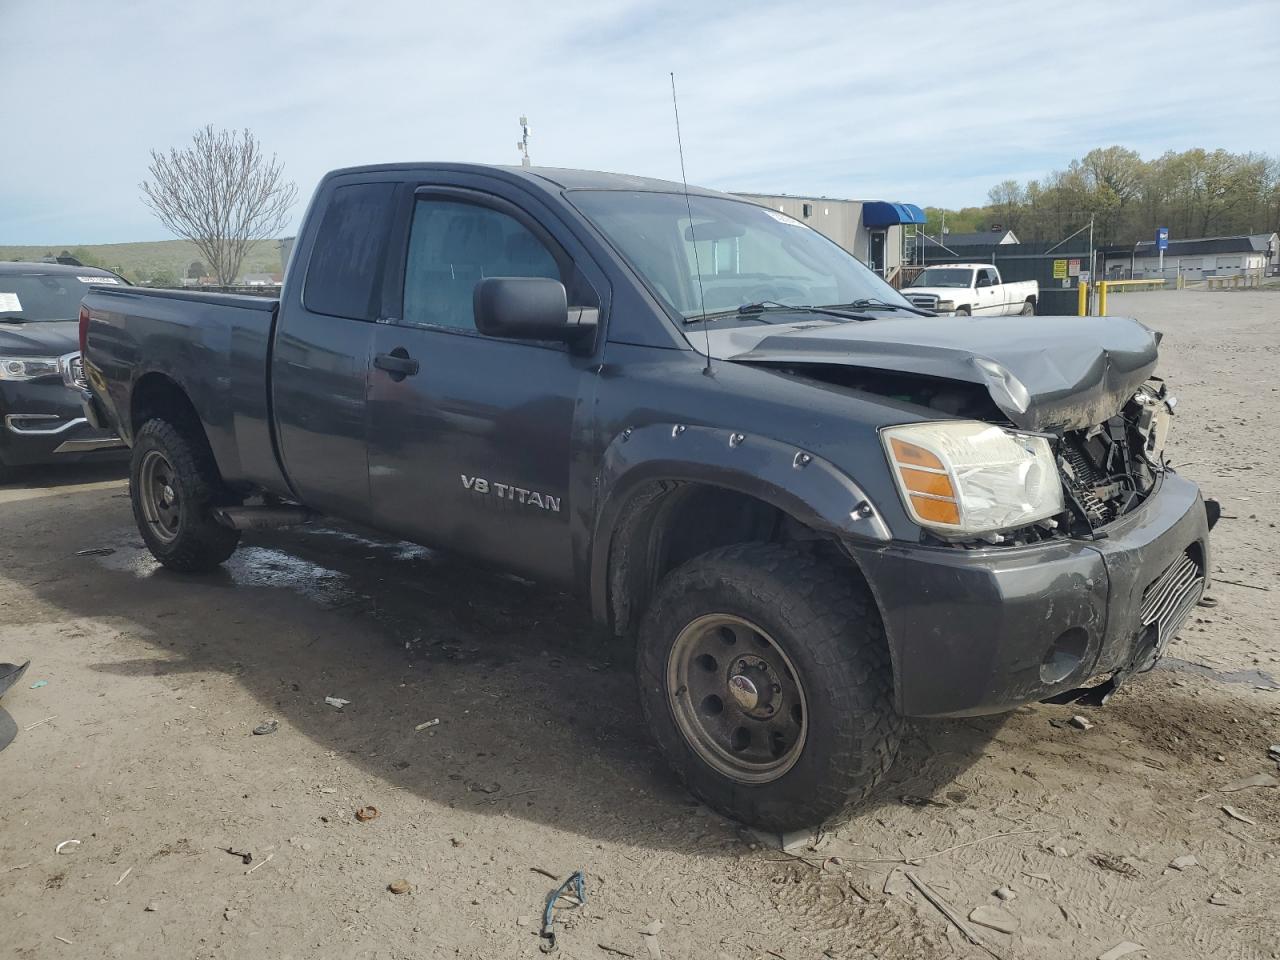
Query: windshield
point(45, 296)
point(943, 277)
point(746, 253)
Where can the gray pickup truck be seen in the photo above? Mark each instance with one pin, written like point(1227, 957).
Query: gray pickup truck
point(815, 508)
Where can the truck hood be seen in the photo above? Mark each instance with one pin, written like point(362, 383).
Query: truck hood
point(942, 293)
point(1045, 373)
point(39, 338)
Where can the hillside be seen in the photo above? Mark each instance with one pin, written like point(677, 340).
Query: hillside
point(162, 261)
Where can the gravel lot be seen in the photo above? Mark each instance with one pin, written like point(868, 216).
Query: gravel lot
point(540, 761)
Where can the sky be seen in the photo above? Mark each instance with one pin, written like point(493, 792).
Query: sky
point(924, 102)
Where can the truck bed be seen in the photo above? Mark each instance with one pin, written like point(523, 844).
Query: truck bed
point(215, 347)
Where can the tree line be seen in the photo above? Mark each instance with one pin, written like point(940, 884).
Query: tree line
point(1195, 193)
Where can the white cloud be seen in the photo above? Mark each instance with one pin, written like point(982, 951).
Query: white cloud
point(930, 102)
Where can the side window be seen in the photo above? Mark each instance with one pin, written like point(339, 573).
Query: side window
point(346, 262)
point(452, 247)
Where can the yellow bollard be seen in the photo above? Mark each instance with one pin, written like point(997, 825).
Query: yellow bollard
point(1082, 308)
point(1102, 299)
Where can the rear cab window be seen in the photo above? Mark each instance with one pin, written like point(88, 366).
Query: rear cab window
point(345, 269)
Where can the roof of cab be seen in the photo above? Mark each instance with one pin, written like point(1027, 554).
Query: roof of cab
point(550, 179)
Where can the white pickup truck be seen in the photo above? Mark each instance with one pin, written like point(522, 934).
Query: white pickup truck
point(965, 289)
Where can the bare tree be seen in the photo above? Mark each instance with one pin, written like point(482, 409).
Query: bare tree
point(222, 193)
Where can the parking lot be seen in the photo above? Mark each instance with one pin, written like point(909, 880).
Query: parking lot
point(141, 747)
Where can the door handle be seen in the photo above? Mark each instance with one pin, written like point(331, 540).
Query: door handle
point(398, 363)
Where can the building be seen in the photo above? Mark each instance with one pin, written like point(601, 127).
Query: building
point(879, 233)
point(1195, 259)
point(983, 238)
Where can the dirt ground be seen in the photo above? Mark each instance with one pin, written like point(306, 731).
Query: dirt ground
point(140, 747)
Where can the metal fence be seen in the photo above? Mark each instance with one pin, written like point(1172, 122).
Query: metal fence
point(1057, 267)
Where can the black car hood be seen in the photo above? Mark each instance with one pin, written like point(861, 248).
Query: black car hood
point(39, 338)
point(1044, 373)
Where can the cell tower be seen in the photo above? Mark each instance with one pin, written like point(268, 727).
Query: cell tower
point(523, 143)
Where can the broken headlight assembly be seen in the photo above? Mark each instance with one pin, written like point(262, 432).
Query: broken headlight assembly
point(965, 478)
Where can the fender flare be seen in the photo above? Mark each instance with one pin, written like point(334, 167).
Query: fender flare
point(799, 483)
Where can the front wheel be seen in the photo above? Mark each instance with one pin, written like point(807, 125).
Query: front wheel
point(174, 487)
point(765, 677)
point(962, 312)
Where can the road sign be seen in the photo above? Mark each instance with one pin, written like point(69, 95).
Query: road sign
point(1059, 269)
point(1162, 238)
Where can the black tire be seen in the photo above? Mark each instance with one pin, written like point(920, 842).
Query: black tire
point(963, 312)
point(823, 618)
point(1028, 309)
point(193, 541)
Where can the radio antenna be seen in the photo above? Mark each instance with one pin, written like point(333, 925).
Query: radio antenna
point(693, 236)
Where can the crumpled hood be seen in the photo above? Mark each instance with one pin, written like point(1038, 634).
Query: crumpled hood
point(1046, 373)
point(39, 338)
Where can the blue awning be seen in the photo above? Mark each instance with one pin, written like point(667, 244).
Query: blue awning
point(882, 213)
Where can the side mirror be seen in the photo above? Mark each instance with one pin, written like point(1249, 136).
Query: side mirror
point(528, 308)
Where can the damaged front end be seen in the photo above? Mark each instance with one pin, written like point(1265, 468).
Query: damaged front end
point(1112, 467)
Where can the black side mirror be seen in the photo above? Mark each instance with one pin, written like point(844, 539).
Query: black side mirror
point(528, 308)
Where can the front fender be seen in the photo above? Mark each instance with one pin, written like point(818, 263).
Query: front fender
point(801, 484)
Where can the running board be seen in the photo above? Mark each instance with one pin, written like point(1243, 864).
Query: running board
point(262, 518)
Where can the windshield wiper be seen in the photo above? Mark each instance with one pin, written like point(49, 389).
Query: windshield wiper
point(753, 311)
point(872, 302)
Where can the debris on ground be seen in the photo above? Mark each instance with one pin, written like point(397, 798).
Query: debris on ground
point(1121, 949)
point(269, 726)
point(1114, 864)
point(336, 702)
point(547, 933)
point(477, 787)
point(1257, 780)
point(1273, 752)
point(32, 726)
point(96, 552)
point(1081, 723)
point(39, 683)
point(122, 876)
point(996, 918)
point(430, 723)
point(152, 907)
point(1006, 894)
point(365, 814)
point(945, 909)
point(1184, 862)
point(66, 845)
point(260, 863)
point(399, 887)
point(1235, 814)
point(245, 857)
point(1219, 899)
point(653, 929)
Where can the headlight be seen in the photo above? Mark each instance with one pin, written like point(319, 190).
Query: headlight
point(946, 306)
point(965, 477)
point(28, 368)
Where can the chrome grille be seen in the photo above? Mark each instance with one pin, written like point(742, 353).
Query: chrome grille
point(925, 301)
point(1169, 599)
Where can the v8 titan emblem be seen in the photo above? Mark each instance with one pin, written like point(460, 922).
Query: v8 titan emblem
point(507, 491)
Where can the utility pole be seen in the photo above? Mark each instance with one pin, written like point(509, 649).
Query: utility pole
point(523, 143)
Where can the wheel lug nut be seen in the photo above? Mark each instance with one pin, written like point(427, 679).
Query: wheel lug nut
point(775, 688)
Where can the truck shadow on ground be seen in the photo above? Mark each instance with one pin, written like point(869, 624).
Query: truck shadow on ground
point(538, 716)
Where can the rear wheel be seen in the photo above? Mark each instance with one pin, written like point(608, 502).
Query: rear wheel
point(174, 487)
point(1028, 309)
point(765, 677)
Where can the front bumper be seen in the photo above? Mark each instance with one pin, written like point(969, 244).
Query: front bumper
point(983, 631)
point(43, 422)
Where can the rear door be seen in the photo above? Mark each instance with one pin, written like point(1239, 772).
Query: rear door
point(323, 344)
point(472, 438)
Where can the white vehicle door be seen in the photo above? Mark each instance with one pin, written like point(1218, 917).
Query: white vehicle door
point(986, 293)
